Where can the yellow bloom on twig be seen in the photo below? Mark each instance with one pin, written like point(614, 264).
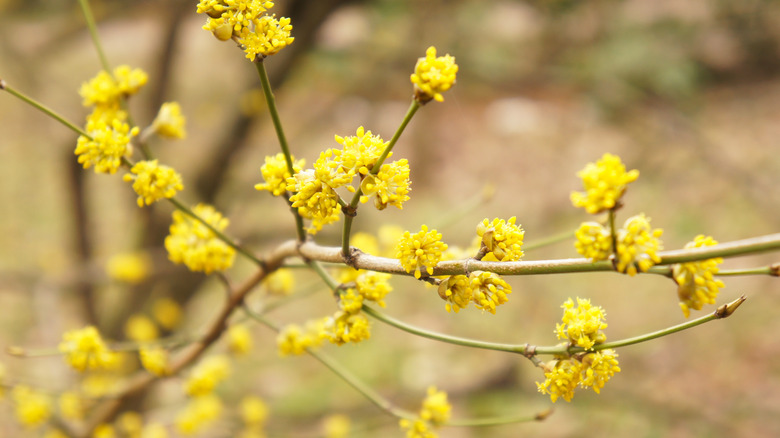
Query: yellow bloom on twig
point(605, 183)
point(696, 284)
point(422, 250)
point(84, 349)
point(433, 76)
point(192, 243)
point(153, 182)
point(638, 245)
point(170, 123)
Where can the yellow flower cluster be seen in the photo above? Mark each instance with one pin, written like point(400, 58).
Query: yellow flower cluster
point(581, 327)
point(435, 412)
point(314, 190)
point(638, 245)
point(106, 91)
point(130, 268)
point(275, 174)
point(696, 285)
point(154, 360)
point(433, 76)
point(141, 328)
point(153, 182)
point(593, 241)
point(502, 239)
point(32, 408)
point(605, 183)
point(84, 349)
point(207, 375)
point(170, 123)
point(336, 426)
point(422, 250)
point(270, 36)
point(239, 339)
point(254, 413)
point(280, 282)
point(486, 290)
point(245, 21)
point(192, 243)
point(107, 144)
point(197, 414)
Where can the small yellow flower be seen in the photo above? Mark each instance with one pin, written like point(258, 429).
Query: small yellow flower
point(207, 375)
point(167, 313)
point(696, 284)
point(32, 408)
point(422, 250)
point(360, 152)
point(488, 290)
point(502, 238)
point(582, 325)
point(153, 182)
point(85, 350)
point(593, 241)
point(141, 328)
point(374, 286)
point(598, 368)
point(110, 143)
point(228, 18)
point(456, 291)
point(280, 282)
point(294, 340)
point(390, 185)
point(72, 406)
point(192, 243)
point(435, 409)
point(314, 199)
point(131, 268)
point(275, 173)
point(417, 429)
point(344, 327)
point(605, 183)
point(197, 414)
point(106, 90)
point(268, 38)
point(239, 339)
point(637, 245)
point(253, 411)
point(154, 360)
point(104, 431)
point(170, 123)
point(561, 379)
point(336, 426)
point(433, 76)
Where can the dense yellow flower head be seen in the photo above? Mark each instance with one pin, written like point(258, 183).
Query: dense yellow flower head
point(456, 291)
point(417, 429)
point(390, 185)
point(104, 431)
point(593, 241)
point(130, 424)
point(488, 290)
point(170, 123)
point(374, 286)
point(84, 349)
point(207, 375)
point(582, 325)
point(130, 268)
point(598, 368)
point(109, 143)
point(31, 408)
point(167, 313)
point(344, 327)
point(268, 38)
point(198, 413)
point(696, 284)
point(360, 152)
point(153, 182)
point(141, 328)
point(561, 379)
point(192, 243)
point(72, 405)
point(605, 183)
point(294, 339)
point(275, 173)
point(502, 238)
point(336, 426)
point(434, 413)
point(422, 250)
point(280, 282)
point(229, 18)
point(239, 339)
point(253, 411)
point(314, 199)
point(106, 90)
point(638, 245)
point(154, 360)
point(433, 75)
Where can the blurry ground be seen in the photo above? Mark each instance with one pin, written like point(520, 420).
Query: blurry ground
point(686, 92)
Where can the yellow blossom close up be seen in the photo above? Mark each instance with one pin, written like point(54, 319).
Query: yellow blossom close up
point(84, 349)
point(604, 182)
point(192, 243)
point(696, 283)
point(638, 245)
point(433, 76)
point(420, 251)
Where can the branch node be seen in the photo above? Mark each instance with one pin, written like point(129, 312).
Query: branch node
point(774, 269)
point(349, 211)
point(351, 258)
point(529, 350)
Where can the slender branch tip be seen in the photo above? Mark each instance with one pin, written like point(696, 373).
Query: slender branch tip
point(2, 84)
point(726, 310)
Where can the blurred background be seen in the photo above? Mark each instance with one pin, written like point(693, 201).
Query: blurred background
point(687, 92)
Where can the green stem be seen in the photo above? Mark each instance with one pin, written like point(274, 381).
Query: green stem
point(374, 397)
point(723, 311)
point(43, 108)
point(765, 270)
point(415, 105)
point(323, 274)
point(271, 102)
point(216, 232)
point(612, 232)
point(497, 421)
point(93, 33)
point(770, 242)
point(510, 348)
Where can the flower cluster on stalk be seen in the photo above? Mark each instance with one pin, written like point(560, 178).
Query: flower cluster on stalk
point(582, 327)
point(433, 75)
point(435, 412)
point(605, 182)
point(196, 245)
point(696, 285)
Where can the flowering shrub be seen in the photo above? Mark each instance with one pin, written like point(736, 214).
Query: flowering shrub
point(357, 274)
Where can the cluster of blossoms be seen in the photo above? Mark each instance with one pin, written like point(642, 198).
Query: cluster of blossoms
point(84, 349)
point(503, 240)
point(246, 22)
point(605, 182)
point(348, 324)
point(153, 182)
point(196, 245)
point(420, 251)
point(433, 76)
point(435, 412)
point(696, 285)
point(581, 327)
